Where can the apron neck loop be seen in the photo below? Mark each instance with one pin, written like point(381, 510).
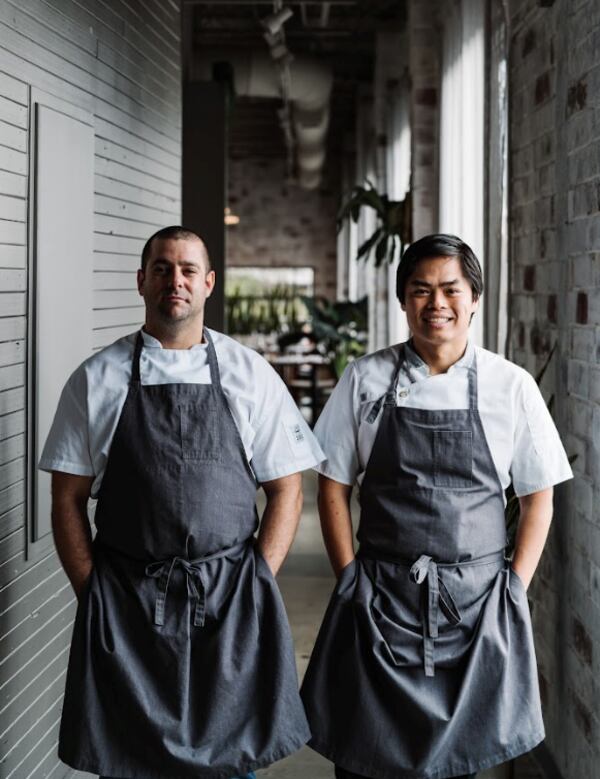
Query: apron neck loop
point(392, 393)
point(473, 401)
point(135, 362)
point(215, 376)
point(213, 364)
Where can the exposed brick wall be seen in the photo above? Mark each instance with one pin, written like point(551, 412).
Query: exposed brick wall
point(555, 284)
point(280, 224)
point(425, 42)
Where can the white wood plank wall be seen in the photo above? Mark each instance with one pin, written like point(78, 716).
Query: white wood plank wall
point(119, 60)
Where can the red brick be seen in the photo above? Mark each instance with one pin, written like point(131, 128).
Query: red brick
point(581, 310)
point(528, 42)
point(529, 278)
point(543, 88)
point(581, 641)
point(576, 97)
point(427, 97)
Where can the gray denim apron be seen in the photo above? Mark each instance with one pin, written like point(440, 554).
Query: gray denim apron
point(181, 663)
point(424, 666)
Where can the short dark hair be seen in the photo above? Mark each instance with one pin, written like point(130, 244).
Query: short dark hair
point(176, 232)
point(439, 245)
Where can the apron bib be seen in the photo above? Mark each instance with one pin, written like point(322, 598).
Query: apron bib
point(424, 666)
point(181, 662)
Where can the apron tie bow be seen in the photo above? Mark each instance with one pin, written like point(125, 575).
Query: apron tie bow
point(163, 570)
point(425, 568)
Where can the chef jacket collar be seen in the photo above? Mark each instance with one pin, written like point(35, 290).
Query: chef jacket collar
point(414, 361)
point(153, 343)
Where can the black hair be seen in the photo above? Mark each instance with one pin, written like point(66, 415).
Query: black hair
point(176, 232)
point(439, 245)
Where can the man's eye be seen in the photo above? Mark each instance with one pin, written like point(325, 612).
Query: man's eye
point(453, 291)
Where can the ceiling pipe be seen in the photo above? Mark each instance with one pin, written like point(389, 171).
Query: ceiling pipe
point(310, 92)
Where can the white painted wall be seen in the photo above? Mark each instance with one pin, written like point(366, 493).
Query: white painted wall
point(117, 63)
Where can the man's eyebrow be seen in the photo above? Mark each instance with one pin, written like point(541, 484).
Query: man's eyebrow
point(421, 283)
point(164, 261)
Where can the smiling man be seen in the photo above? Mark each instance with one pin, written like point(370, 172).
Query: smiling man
point(424, 667)
point(181, 662)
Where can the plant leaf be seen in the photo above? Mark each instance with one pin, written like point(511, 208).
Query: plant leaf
point(544, 367)
point(381, 250)
point(365, 248)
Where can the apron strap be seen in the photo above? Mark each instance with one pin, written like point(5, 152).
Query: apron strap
point(213, 363)
point(473, 400)
point(389, 399)
point(135, 360)
point(215, 376)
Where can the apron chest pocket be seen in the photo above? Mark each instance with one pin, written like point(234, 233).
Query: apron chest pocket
point(452, 458)
point(199, 440)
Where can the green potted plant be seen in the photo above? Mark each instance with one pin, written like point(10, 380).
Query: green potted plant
point(341, 327)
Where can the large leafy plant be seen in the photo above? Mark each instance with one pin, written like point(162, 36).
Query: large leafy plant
point(341, 327)
point(394, 229)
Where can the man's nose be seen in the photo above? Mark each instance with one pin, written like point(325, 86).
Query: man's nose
point(176, 277)
point(436, 298)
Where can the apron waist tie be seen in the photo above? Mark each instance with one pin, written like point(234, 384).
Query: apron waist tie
point(196, 585)
point(426, 568)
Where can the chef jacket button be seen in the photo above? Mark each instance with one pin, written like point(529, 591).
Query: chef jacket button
point(403, 393)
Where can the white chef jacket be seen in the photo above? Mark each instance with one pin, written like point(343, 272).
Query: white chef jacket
point(276, 439)
point(521, 435)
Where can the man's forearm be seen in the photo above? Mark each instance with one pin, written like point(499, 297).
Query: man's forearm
point(280, 519)
point(534, 524)
point(336, 522)
point(71, 528)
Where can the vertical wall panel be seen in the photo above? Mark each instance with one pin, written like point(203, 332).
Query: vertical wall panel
point(60, 272)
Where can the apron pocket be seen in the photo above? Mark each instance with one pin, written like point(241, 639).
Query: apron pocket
point(517, 579)
point(199, 437)
point(452, 458)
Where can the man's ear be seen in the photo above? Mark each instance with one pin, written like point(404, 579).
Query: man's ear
point(210, 282)
point(140, 280)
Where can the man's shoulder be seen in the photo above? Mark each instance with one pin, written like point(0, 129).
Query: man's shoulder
point(113, 354)
point(104, 365)
point(228, 347)
point(503, 371)
point(375, 370)
point(493, 360)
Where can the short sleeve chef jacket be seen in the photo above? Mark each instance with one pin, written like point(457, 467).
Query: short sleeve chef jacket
point(522, 437)
point(276, 439)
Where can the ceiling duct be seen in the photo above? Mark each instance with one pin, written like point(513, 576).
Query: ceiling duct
point(310, 87)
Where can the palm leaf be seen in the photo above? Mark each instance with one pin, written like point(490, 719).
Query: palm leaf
point(365, 248)
point(394, 217)
point(381, 250)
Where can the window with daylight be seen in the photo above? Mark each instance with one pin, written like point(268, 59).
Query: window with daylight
point(462, 122)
